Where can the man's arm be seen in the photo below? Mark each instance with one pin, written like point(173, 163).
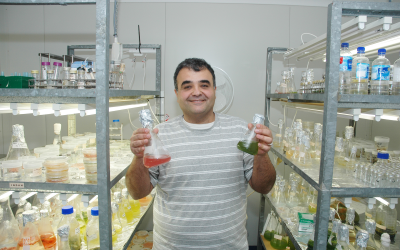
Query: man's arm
point(264, 174)
point(137, 177)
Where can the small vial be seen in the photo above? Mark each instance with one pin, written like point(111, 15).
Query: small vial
point(45, 67)
point(81, 79)
point(65, 75)
point(50, 79)
point(35, 74)
point(73, 77)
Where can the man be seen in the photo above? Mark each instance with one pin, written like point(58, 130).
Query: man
point(201, 193)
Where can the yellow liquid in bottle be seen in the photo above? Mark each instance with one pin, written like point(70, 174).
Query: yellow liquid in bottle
point(114, 236)
point(312, 208)
point(94, 244)
point(135, 206)
point(128, 210)
point(289, 153)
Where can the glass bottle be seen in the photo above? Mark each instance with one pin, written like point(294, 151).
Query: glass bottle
point(121, 210)
point(154, 153)
point(134, 204)
point(249, 142)
point(348, 142)
point(57, 135)
point(303, 82)
point(345, 69)
point(44, 68)
point(9, 229)
point(283, 84)
point(92, 230)
point(278, 139)
point(396, 78)
point(350, 216)
point(304, 157)
point(362, 239)
point(293, 198)
point(271, 227)
point(333, 238)
point(351, 162)
point(50, 79)
point(285, 141)
point(312, 200)
point(35, 75)
point(279, 240)
point(343, 240)
point(68, 218)
point(339, 153)
point(57, 69)
point(29, 238)
point(380, 74)
point(291, 145)
point(360, 73)
point(370, 226)
point(116, 222)
point(72, 78)
point(291, 88)
point(65, 77)
point(46, 233)
point(315, 144)
point(310, 80)
point(18, 146)
point(299, 138)
point(79, 216)
point(385, 242)
point(81, 79)
point(63, 233)
point(280, 196)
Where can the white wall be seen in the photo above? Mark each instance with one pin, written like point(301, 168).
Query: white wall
point(234, 37)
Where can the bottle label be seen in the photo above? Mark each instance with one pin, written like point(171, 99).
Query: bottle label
point(26, 241)
point(380, 226)
point(362, 71)
point(77, 230)
point(278, 237)
point(380, 72)
point(346, 63)
point(19, 144)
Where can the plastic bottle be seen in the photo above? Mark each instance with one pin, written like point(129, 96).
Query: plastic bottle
point(362, 239)
point(92, 230)
point(345, 69)
point(29, 238)
point(68, 218)
point(396, 78)
point(380, 74)
point(360, 73)
point(63, 233)
point(18, 146)
point(370, 226)
point(385, 242)
point(46, 233)
point(154, 153)
point(249, 142)
point(9, 229)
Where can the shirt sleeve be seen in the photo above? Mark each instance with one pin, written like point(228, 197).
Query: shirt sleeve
point(248, 160)
point(154, 173)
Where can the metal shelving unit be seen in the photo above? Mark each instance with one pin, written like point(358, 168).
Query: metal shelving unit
point(100, 96)
point(332, 101)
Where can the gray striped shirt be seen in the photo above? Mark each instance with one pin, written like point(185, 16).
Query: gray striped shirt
point(201, 193)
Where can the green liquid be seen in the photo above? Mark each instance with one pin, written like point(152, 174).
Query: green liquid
point(310, 245)
point(268, 235)
point(279, 244)
point(251, 149)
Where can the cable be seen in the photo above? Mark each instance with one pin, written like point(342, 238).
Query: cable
point(129, 115)
point(250, 194)
point(148, 102)
point(115, 17)
point(301, 37)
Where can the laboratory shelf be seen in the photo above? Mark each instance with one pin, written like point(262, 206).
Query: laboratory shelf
point(45, 187)
point(298, 170)
point(283, 223)
point(81, 96)
point(345, 100)
point(137, 227)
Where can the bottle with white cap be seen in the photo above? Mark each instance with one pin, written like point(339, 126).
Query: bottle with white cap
point(385, 242)
point(29, 238)
point(57, 135)
point(380, 74)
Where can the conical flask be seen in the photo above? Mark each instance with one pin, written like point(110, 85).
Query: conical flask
point(46, 232)
point(18, 146)
point(272, 227)
point(154, 153)
point(9, 230)
point(249, 142)
point(29, 238)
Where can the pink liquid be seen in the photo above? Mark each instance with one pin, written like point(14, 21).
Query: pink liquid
point(150, 161)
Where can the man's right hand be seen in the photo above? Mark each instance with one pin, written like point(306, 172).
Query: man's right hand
point(139, 140)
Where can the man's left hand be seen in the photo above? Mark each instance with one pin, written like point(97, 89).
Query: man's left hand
point(264, 136)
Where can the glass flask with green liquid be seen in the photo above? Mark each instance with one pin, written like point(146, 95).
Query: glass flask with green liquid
point(249, 143)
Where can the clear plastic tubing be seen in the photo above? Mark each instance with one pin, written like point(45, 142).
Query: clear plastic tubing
point(380, 75)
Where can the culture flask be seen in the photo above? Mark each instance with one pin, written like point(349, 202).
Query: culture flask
point(154, 153)
point(249, 143)
point(18, 146)
point(29, 239)
point(92, 230)
point(9, 230)
point(370, 226)
point(68, 218)
point(63, 233)
point(362, 239)
point(45, 230)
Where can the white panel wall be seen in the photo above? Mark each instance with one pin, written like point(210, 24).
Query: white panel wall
point(234, 37)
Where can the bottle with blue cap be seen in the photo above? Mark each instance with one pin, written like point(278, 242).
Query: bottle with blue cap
point(92, 230)
point(380, 74)
point(116, 124)
point(68, 218)
point(396, 78)
point(360, 73)
point(346, 63)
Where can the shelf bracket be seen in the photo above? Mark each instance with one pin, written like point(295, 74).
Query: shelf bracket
point(347, 201)
point(393, 202)
point(356, 114)
point(63, 198)
point(371, 202)
point(378, 113)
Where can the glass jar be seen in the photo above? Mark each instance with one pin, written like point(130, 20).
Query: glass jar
point(36, 76)
point(381, 143)
point(81, 79)
point(57, 169)
point(12, 170)
point(65, 77)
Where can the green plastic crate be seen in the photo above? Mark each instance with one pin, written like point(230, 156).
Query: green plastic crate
point(15, 82)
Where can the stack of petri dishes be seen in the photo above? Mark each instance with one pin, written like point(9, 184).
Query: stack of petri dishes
point(57, 169)
point(90, 162)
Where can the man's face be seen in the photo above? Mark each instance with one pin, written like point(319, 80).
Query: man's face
point(196, 94)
